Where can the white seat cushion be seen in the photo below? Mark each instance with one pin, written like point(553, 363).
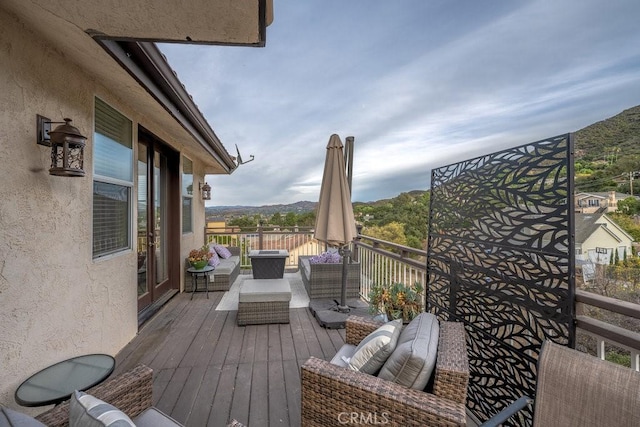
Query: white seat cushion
point(265, 290)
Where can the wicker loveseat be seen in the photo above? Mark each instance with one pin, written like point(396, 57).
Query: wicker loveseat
point(223, 276)
point(325, 280)
point(330, 392)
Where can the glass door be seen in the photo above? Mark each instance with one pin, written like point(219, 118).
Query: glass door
point(154, 218)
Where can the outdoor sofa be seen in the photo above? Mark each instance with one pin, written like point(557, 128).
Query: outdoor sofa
point(223, 276)
point(329, 391)
point(324, 280)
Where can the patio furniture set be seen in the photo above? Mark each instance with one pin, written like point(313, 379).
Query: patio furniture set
point(385, 373)
point(396, 375)
point(265, 298)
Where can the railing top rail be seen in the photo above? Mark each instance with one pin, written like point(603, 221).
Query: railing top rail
point(395, 246)
point(611, 304)
point(392, 255)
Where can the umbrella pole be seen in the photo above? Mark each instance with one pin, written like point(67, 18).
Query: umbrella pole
point(343, 307)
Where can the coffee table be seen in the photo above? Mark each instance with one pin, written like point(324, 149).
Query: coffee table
point(56, 383)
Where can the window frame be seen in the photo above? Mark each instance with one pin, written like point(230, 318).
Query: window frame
point(128, 185)
point(186, 196)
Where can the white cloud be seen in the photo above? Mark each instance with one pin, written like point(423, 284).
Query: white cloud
point(419, 84)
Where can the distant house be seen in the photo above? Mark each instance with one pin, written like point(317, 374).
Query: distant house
point(597, 236)
point(601, 202)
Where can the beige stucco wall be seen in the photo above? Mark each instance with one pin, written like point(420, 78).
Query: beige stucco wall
point(55, 300)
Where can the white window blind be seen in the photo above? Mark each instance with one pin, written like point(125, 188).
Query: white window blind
point(113, 181)
point(187, 195)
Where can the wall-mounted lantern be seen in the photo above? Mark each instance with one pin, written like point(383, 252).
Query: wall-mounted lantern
point(67, 146)
point(206, 191)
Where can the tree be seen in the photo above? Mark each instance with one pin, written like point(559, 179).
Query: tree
point(392, 232)
point(290, 219)
point(629, 206)
point(276, 219)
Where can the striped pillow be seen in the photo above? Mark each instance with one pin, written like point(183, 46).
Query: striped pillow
point(222, 251)
point(87, 411)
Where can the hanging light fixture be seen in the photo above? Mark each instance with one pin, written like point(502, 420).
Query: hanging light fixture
point(67, 146)
point(206, 191)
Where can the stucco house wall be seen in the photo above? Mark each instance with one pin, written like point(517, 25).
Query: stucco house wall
point(55, 300)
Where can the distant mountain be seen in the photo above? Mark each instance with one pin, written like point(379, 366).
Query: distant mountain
point(616, 136)
point(297, 207)
point(266, 210)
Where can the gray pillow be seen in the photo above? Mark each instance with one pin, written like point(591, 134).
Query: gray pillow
point(11, 418)
point(374, 349)
point(88, 411)
point(414, 358)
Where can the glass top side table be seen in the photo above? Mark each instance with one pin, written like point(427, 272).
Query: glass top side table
point(195, 273)
point(56, 383)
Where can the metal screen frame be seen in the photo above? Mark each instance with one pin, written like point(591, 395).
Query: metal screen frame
point(501, 259)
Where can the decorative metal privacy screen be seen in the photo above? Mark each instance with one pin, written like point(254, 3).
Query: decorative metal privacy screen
point(501, 260)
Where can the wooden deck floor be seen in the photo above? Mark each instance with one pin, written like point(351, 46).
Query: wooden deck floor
point(208, 370)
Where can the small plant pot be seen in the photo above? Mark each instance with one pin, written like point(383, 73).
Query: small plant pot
point(199, 265)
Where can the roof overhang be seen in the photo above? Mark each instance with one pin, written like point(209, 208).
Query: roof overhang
point(236, 22)
point(145, 63)
point(125, 30)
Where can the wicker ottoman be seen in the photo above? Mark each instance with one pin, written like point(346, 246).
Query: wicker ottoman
point(264, 301)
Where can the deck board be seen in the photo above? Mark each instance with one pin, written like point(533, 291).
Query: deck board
point(208, 370)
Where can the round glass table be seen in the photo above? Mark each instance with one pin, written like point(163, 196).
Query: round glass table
point(56, 383)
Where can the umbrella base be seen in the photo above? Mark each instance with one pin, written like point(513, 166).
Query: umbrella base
point(327, 311)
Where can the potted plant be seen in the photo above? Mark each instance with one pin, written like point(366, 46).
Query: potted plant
point(397, 300)
point(198, 258)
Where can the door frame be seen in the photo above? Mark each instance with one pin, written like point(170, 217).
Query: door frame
point(157, 295)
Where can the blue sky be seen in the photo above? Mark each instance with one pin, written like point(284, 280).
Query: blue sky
point(418, 84)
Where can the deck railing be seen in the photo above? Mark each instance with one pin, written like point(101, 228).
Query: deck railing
point(383, 262)
point(386, 262)
point(298, 241)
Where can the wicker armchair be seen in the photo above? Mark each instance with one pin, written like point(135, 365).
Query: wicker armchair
point(333, 395)
point(131, 392)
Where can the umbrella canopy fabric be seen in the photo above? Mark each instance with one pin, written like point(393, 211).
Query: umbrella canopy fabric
point(335, 223)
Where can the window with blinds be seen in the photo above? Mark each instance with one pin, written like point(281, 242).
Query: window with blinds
point(112, 180)
point(187, 195)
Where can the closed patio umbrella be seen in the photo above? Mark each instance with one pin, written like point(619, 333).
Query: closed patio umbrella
point(335, 223)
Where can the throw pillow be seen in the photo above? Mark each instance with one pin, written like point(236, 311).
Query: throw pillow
point(222, 251)
point(11, 418)
point(414, 357)
point(375, 348)
point(214, 261)
point(88, 411)
point(329, 257)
